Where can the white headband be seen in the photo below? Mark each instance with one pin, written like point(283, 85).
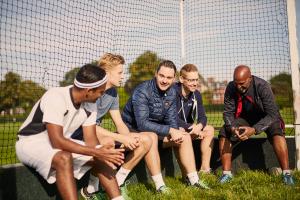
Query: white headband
point(90, 85)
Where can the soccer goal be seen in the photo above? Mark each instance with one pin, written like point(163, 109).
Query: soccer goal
point(43, 43)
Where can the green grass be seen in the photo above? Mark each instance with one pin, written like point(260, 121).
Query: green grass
point(8, 133)
point(245, 185)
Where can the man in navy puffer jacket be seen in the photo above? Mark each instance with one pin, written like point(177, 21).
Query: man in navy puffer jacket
point(152, 107)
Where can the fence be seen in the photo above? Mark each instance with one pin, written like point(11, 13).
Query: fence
point(42, 42)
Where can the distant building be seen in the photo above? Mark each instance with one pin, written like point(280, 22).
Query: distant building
point(202, 88)
point(19, 110)
point(16, 111)
point(202, 85)
point(218, 90)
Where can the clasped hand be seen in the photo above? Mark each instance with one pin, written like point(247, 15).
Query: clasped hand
point(177, 135)
point(131, 142)
point(196, 130)
point(109, 155)
point(243, 132)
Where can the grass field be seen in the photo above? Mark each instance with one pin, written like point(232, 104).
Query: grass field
point(7, 142)
point(9, 130)
point(245, 185)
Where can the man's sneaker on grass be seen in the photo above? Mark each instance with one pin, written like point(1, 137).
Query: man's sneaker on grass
point(200, 184)
point(164, 190)
point(205, 171)
point(225, 178)
point(124, 191)
point(99, 195)
point(288, 179)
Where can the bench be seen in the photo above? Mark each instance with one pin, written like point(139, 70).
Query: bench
point(18, 182)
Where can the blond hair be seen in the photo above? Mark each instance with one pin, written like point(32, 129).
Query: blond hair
point(188, 68)
point(109, 61)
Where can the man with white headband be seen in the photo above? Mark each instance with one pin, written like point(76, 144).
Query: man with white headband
point(136, 145)
point(44, 141)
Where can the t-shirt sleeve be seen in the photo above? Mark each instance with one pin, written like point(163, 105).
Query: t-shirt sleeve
point(115, 104)
point(91, 120)
point(53, 107)
point(91, 110)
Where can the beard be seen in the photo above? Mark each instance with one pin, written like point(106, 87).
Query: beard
point(242, 90)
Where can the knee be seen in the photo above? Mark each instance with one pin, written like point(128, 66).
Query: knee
point(210, 131)
point(222, 142)
point(146, 141)
point(62, 159)
point(187, 139)
point(278, 141)
point(224, 145)
point(107, 141)
point(153, 137)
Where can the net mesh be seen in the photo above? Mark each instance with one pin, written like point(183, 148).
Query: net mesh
point(223, 34)
point(42, 41)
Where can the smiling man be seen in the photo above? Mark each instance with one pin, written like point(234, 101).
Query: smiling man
point(249, 109)
point(152, 108)
point(191, 113)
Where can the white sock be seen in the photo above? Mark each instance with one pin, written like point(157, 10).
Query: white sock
point(122, 175)
point(227, 172)
point(193, 177)
point(158, 181)
point(205, 171)
point(286, 171)
point(93, 185)
point(118, 198)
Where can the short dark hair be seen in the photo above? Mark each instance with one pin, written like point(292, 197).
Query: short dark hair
point(90, 73)
point(167, 63)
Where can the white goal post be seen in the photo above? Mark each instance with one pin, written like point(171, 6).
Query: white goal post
point(291, 9)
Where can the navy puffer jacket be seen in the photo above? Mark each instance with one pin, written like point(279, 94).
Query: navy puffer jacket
point(150, 109)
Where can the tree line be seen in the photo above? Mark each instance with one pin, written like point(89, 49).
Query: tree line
point(18, 93)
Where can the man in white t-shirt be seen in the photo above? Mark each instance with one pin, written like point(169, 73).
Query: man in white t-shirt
point(44, 141)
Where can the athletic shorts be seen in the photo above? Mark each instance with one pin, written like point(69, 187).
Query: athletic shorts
point(37, 152)
point(276, 128)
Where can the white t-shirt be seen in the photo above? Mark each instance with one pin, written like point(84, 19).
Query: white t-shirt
point(57, 107)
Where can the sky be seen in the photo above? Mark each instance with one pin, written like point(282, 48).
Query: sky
point(42, 40)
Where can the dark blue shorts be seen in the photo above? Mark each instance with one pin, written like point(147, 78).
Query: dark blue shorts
point(78, 135)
